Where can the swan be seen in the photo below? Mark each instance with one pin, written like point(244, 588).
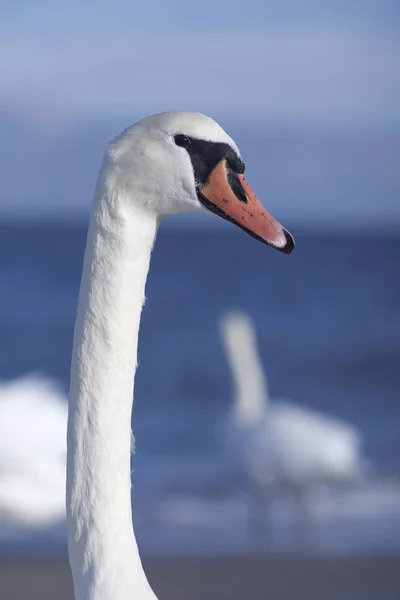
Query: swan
point(33, 425)
point(281, 445)
point(165, 164)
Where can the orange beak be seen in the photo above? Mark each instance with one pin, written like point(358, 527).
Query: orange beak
point(228, 194)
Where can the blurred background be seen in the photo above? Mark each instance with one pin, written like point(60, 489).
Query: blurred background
point(305, 497)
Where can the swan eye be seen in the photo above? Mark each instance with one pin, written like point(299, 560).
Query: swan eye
point(182, 140)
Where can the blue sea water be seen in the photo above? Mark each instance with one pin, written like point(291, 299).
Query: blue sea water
point(328, 326)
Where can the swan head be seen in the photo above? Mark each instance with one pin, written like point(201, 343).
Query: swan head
point(185, 161)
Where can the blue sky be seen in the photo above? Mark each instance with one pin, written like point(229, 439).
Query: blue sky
point(308, 60)
point(308, 64)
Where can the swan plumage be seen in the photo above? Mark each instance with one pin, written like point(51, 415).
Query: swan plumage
point(165, 164)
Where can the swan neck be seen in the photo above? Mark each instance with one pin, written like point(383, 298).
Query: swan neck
point(103, 554)
point(250, 384)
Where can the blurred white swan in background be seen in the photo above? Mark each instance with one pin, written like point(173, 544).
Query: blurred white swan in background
point(281, 446)
point(33, 425)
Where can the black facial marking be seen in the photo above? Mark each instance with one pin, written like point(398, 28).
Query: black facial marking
point(206, 155)
point(235, 163)
point(236, 186)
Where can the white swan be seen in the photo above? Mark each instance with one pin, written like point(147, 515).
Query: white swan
point(167, 163)
point(280, 444)
point(33, 425)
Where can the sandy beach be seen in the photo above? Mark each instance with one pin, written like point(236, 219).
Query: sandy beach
point(281, 577)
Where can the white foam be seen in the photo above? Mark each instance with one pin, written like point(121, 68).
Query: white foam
point(33, 419)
